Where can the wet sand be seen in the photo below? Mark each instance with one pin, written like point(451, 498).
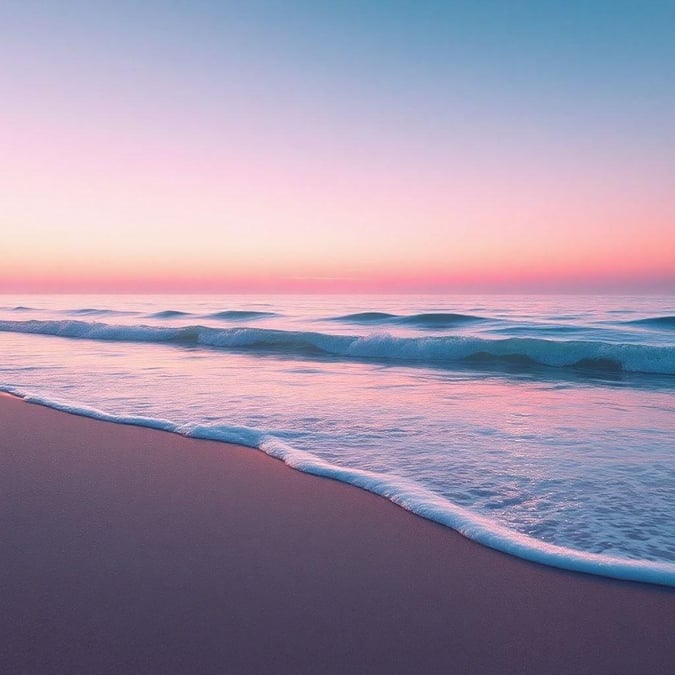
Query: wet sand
point(130, 550)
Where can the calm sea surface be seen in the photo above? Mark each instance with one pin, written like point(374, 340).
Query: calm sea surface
point(542, 426)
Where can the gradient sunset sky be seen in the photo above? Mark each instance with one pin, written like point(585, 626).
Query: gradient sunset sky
point(337, 146)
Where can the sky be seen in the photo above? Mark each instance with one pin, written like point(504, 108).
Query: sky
point(457, 146)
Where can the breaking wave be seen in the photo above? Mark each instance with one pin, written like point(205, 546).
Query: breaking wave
point(433, 350)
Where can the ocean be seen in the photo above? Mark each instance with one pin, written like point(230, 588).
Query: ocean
point(541, 426)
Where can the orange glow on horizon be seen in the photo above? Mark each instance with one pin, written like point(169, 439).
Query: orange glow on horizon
point(515, 275)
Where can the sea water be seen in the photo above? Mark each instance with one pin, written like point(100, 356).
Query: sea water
point(541, 426)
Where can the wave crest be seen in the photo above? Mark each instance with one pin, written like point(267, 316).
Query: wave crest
point(655, 322)
point(238, 315)
point(428, 320)
point(433, 350)
point(169, 314)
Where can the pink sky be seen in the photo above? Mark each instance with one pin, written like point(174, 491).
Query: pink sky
point(123, 172)
point(89, 212)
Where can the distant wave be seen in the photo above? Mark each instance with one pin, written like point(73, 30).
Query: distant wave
point(365, 317)
point(238, 315)
point(94, 311)
point(543, 329)
point(82, 311)
point(655, 322)
point(401, 491)
point(434, 350)
point(169, 314)
point(429, 320)
point(225, 315)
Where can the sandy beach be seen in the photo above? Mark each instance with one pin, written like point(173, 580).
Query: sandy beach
point(129, 550)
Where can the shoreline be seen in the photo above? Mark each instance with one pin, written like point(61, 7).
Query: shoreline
point(423, 504)
point(130, 549)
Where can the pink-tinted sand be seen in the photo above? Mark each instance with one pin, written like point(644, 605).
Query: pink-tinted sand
point(129, 550)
